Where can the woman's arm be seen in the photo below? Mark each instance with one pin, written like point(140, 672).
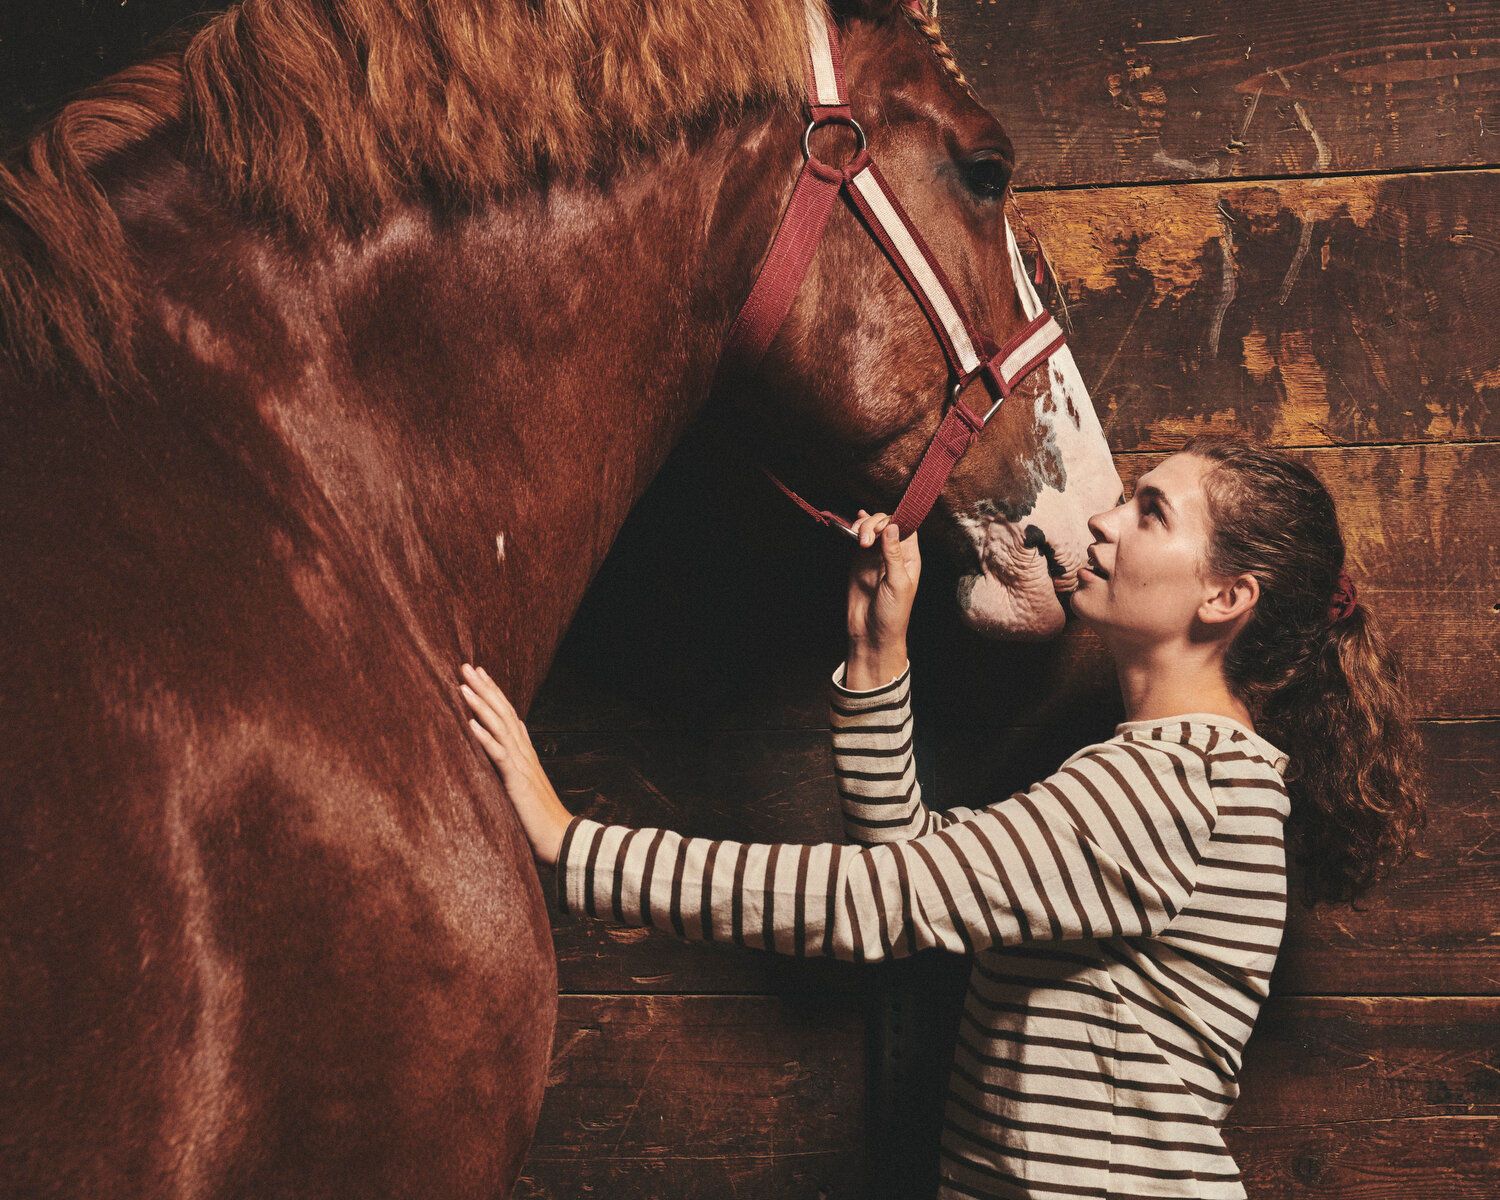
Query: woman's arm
point(1107, 846)
point(1046, 865)
point(875, 766)
point(870, 709)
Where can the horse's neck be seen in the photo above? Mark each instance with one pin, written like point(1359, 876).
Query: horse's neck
point(481, 401)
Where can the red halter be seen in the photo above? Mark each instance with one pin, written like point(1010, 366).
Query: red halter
point(970, 354)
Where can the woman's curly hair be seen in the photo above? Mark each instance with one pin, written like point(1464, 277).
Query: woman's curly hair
point(1331, 693)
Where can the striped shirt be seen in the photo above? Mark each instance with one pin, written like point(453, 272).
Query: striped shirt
point(1123, 917)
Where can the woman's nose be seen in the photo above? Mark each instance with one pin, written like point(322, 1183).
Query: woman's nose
point(1096, 522)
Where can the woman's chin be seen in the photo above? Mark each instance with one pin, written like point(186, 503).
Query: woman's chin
point(1023, 610)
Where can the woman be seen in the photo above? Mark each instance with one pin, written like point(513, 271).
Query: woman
point(1124, 914)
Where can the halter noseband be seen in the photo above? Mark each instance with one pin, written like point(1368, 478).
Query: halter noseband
point(970, 354)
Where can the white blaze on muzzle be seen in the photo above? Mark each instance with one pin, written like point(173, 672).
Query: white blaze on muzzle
point(1014, 594)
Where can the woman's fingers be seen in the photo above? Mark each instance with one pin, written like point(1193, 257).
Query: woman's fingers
point(494, 714)
point(496, 750)
point(486, 687)
point(868, 526)
point(891, 553)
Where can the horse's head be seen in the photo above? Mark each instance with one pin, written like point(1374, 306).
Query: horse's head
point(857, 379)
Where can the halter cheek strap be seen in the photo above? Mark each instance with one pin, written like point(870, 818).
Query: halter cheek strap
point(969, 354)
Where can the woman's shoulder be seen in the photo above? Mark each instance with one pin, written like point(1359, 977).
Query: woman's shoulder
point(1208, 757)
point(1222, 742)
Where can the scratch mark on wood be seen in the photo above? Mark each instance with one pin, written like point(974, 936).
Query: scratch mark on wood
point(555, 1076)
point(1228, 288)
point(1304, 242)
point(1178, 41)
point(1187, 166)
point(1237, 142)
point(636, 1103)
point(1139, 308)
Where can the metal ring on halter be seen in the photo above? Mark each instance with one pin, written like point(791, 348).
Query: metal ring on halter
point(859, 134)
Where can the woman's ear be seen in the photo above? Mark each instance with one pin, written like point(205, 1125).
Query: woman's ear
point(1233, 599)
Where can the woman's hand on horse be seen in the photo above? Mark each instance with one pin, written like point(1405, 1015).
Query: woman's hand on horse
point(505, 740)
point(882, 586)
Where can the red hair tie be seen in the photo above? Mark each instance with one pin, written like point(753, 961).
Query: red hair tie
point(1344, 598)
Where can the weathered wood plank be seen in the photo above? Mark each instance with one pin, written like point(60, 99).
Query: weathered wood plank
point(1430, 929)
point(1318, 1059)
point(688, 1095)
point(1434, 926)
point(1386, 1068)
point(1445, 1158)
point(753, 787)
point(1094, 93)
point(789, 1175)
point(1303, 312)
point(662, 1095)
point(743, 632)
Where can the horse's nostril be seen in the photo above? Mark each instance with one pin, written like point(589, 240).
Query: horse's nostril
point(1035, 539)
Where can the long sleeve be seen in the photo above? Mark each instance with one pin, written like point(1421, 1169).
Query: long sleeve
point(1109, 845)
point(874, 764)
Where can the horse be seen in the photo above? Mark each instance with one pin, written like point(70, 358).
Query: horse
point(339, 338)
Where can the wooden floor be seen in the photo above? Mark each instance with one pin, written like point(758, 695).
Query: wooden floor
point(1277, 218)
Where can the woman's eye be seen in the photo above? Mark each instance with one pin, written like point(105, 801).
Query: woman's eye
point(987, 174)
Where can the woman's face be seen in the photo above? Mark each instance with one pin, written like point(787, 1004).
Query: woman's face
point(1147, 575)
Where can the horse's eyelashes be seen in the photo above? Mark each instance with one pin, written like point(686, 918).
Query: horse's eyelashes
point(987, 173)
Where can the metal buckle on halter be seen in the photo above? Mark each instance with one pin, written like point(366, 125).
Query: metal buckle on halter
point(836, 119)
point(956, 389)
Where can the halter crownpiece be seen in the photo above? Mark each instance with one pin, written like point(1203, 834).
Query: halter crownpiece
point(1344, 598)
point(970, 354)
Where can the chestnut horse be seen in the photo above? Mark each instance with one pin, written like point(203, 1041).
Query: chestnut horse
point(339, 340)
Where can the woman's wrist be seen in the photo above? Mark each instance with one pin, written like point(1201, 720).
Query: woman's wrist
point(869, 666)
point(548, 845)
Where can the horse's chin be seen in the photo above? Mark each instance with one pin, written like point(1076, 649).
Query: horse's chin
point(1011, 595)
point(1023, 609)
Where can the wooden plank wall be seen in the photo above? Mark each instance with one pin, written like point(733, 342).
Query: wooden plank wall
point(1278, 218)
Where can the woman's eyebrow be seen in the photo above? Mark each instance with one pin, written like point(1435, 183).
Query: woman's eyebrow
point(1149, 491)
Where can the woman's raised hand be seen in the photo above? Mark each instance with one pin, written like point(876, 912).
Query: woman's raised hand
point(882, 586)
point(505, 740)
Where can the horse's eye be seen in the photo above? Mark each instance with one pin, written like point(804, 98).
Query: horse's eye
point(987, 173)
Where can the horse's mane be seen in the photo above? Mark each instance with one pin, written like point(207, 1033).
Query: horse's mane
point(318, 114)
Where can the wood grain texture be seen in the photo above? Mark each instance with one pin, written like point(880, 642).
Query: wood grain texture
point(1315, 1060)
point(1148, 91)
point(706, 1096)
point(1444, 1158)
point(1302, 312)
point(665, 1095)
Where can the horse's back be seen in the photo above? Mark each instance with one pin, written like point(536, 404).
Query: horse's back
point(261, 933)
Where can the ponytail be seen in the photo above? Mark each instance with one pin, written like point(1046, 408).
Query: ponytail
point(1321, 682)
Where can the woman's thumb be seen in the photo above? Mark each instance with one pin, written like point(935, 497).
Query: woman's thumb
point(890, 550)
